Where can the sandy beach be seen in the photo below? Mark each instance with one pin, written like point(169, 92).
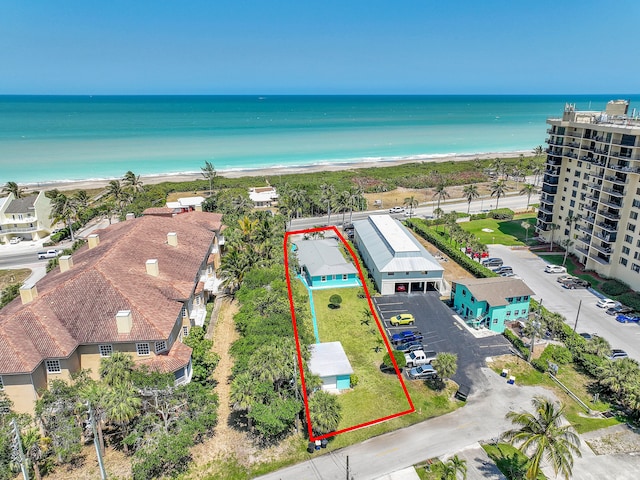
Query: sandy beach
point(274, 171)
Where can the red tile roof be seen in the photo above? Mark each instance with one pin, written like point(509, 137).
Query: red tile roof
point(176, 358)
point(79, 306)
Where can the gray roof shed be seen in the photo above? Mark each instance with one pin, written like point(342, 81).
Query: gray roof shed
point(323, 257)
point(328, 359)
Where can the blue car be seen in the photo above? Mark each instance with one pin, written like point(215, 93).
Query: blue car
point(406, 336)
point(628, 319)
point(407, 347)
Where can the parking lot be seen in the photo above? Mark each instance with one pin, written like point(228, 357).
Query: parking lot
point(530, 268)
point(443, 333)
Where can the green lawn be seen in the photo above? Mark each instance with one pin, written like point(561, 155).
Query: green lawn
point(505, 232)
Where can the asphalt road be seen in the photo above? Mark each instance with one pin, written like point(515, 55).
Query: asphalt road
point(512, 200)
point(591, 319)
point(442, 333)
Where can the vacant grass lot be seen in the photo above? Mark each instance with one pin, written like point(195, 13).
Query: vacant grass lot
point(505, 232)
point(8, 277)
point(377, 394)
point(576, 381)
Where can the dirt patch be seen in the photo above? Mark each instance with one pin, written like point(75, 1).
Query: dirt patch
point(452, 270)
point(9, 277)
point(618, 439)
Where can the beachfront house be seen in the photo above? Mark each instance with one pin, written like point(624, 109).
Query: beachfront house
point(186, 204)
point(322, 265)
point(26, 217)
point(396, 260)
point(490, 302)
point(330, 363)
point(263, 196)
point(137, 287)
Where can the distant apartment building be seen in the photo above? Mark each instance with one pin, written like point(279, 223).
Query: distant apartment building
point(26, 217)
point(137, 287)
point(591, 189)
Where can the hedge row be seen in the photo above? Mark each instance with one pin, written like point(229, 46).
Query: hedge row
point(501, 214)
point(519, 344)
point(476, 269)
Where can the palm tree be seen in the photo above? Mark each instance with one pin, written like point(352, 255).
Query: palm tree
point(470, 192)
point(13, 187)
point(498, 166)
point(528, 189)
point(544, 436)
point(538, 151)
point(499, 189)
point(537, 170)
point(233, 266)
point(412, 203)
point(327, 196)
point(209, 173)
point(82, 199)
point(517, 171)
point(453, 466)
point(95, 394)
point(441, 194)
point(566, 243)
point(324, 412)
point(446, 365)
point(132, 182)
point(116, 370)
point(241, 204)
point(553, 227)
point(35, 449)
point(599, 346)
point(63, 208)
point(620, 376)
point(298, 198)
point(342, 202)
point(242, 396)
point(122, 406)
point(355, 200)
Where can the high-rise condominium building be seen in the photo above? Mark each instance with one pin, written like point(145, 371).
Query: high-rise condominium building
point(590, 195)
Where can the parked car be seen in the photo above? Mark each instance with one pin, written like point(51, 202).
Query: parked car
point(606, 303)
point(419, 357)
point(508, 274)
point(616, 354)
point(422, 372)
point(402, 319)
point(577, 283)
point(396, 210)
point(401, 287)
point(492, 262)
point(406, 336)
point(406, 347)
point(565, 278)
point(586, 336)
point(503, 269)
point(619, 309)
point(628, 318)
point(555, 269)
point(15, 240)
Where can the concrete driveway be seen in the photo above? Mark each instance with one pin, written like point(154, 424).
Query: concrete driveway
point(443, 333)
point(530, 267)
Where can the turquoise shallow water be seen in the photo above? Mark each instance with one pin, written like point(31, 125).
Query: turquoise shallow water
point(75, 138)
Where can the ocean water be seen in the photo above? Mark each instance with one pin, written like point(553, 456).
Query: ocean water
point(60, 138)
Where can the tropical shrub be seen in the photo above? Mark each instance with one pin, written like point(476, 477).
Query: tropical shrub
point(632, 299)
point(613, 288)
point(501, 214)
point(335, 301)
point(515, 340)
point(401, 361)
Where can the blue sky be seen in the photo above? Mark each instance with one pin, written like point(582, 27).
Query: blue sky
point(319, 47)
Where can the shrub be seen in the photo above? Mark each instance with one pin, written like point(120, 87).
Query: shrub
point(353, 380)
point(515, 340)
point(613, 288)
point(335, 301)
point(501, 214)
point(400, 359)
point(478, 216)
point(632, 299)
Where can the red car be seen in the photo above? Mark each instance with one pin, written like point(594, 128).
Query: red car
point(401, 288)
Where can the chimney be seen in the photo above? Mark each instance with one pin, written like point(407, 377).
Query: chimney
point(66, 263)
point(124, 321)
point(152, 267)
point(94, 240)
point(28, 293)
point(172, 239)
point(130, 216)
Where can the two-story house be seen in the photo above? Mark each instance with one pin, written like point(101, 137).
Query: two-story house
point(26, 217)
point(490, 302)
point(137, 287)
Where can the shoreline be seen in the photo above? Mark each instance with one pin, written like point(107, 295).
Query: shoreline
point(153, 179)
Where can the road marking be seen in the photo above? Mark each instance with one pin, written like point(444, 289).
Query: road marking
point(458, 326)
point(386, 452)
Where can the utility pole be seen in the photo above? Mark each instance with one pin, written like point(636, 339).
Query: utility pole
point(577, 315)
point(96, 442)
point(347, 467)
point(17, 444)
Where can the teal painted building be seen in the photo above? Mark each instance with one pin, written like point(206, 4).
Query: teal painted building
point(330, 363)
point(490, 302)
point(323, 266)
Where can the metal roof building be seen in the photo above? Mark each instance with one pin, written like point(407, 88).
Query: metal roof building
point(330, 363)
point(395, 259)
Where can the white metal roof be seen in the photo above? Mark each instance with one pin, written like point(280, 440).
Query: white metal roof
point(395, 236)
point(329, 359)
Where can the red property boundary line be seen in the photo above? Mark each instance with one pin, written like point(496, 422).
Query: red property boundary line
point(411, 409)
